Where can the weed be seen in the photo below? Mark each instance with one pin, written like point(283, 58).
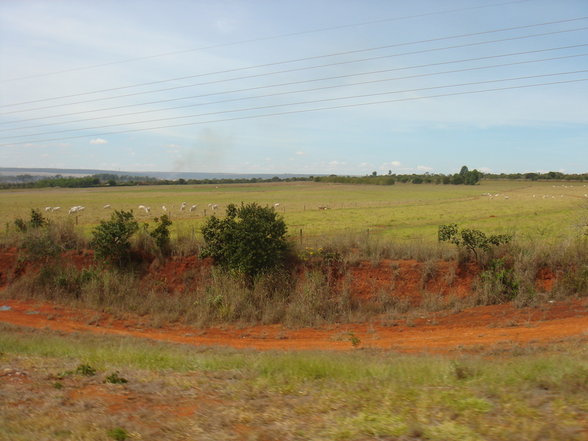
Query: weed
point(115, 378)
point(354, 339)
point(86, 370)
point(118, 434)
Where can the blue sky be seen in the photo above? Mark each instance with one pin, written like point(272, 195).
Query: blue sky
point(375, 114)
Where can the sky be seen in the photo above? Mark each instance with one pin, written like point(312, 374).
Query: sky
point(295, 86)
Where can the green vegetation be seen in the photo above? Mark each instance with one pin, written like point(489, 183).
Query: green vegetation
point(470, 239)
point(252, 243)
point(115, 378)
point(401, 212)
point(118, 434)
point(182, 392)
point(111, 239)
point(249, 241)
point(161, 235)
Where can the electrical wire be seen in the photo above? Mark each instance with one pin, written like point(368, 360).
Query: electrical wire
point(292, 104)
point(253, 40)
point(306, 90)
point(293, 70)
point(315, 57)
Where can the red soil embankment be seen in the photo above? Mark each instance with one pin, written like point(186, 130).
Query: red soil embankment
point(482, 326)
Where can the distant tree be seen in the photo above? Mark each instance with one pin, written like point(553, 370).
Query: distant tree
point(464, 171)
point(472, 177)
point(457, 179)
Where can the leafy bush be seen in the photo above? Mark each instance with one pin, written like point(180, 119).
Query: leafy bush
point(499, 283)
point(249, 241)
point(472, 240)
point(111, 239)
point(161, 235)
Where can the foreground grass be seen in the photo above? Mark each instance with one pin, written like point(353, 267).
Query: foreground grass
point(178, 392)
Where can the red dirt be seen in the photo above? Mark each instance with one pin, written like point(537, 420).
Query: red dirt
point(481, 326)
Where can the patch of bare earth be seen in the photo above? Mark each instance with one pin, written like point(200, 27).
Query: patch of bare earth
point(480, 326)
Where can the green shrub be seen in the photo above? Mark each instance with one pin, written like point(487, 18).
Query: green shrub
point(471, 240)
point(249, 241)
point(38, 245)
point(161, 235)
point(111, 239)
point(499, 283)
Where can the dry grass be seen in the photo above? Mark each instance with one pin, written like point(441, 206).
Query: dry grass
point(178, 392)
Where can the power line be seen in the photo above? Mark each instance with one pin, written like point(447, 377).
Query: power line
point(295, 70)
point(290, 112)
point(281, 105)
point(253, 40)
point(315, 57)
point(285, 84)
point(306, 90)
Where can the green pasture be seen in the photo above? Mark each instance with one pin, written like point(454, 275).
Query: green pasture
point(529, 210)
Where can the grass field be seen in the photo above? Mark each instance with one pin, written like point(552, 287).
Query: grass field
point(62, 387)
point(529, 210)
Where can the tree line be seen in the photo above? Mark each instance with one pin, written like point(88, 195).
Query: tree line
point(464, 177)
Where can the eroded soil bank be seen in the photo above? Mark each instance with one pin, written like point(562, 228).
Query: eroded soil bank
point(482, 326)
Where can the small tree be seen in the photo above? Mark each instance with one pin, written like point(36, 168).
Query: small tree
point(472, 240)
point(250, 240)
point(111, 239)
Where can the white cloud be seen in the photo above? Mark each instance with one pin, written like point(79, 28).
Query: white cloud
point(424, 168)
point(98, 141)
point(300, 153)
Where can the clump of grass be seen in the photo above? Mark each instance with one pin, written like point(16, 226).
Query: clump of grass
point(85, 370)
point(115, 378)
point(118, 434)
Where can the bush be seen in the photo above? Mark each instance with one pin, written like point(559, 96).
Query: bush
point(249, 241)
point(161, 235)
point(36, 221)
point(472, 240)
point(499, 283)
point(111, 239)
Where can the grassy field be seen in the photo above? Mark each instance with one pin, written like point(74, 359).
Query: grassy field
point(68, 387)
point(529, 210)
